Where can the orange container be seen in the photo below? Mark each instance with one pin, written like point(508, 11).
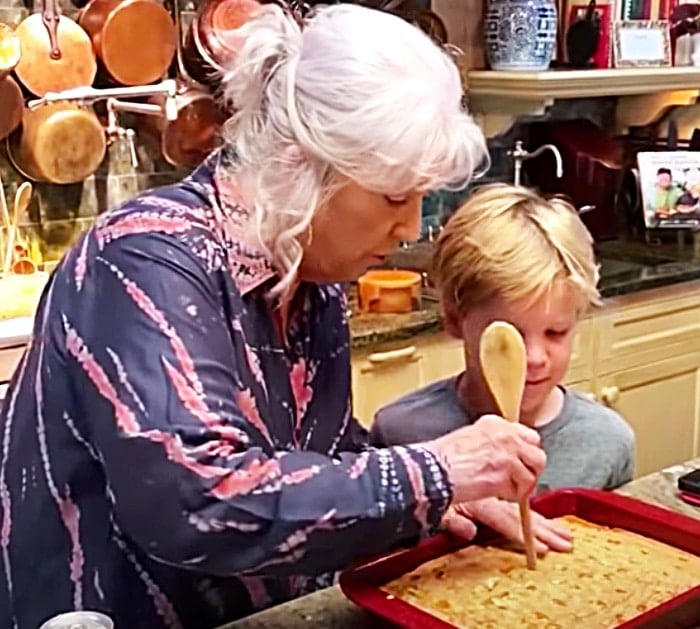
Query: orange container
point(385, 291)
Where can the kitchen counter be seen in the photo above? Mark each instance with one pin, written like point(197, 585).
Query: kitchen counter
point(329, 609)
point(660, 488)
point(369, 330)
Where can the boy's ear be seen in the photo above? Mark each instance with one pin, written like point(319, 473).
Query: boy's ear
point(451, 321)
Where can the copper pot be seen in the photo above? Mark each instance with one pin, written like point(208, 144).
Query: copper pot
point(187, 140)
point(134, 39)
point(10, 50)
point(59, 143)
point(57, 53)
point(11, 106)
point(209, 44)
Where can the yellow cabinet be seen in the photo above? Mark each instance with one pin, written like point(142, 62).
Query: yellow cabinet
point(443, 357)
point(641, 330)
point(581, 362)
point(381, 376)
point(647, 368)
point(660, 401)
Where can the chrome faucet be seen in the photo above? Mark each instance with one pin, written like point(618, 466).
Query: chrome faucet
point(519, 155)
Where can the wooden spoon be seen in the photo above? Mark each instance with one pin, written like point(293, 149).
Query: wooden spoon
point(22, 198)
point(504, 365)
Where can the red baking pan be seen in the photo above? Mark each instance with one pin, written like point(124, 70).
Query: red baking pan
point(362, 584)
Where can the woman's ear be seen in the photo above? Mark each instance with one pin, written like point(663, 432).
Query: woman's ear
point(451, 321)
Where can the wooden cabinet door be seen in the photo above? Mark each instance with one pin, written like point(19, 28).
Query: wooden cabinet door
point(584, 387)
point(381, 377)
point(443, 356)
point(660, 401)
point(582, 353)
point(647, 331)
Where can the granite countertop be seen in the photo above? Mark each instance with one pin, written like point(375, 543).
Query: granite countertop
point(368, 330)
point(660, 488)
point(329, 609)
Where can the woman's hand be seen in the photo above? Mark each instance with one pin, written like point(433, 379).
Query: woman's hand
point(504, 518)
point(491, 458)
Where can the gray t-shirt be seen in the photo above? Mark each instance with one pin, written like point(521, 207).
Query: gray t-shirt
point(587, 445)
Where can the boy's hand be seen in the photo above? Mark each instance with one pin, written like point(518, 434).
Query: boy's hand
point(503, 517)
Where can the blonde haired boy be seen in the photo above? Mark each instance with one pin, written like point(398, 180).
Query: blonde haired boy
point(511, 255)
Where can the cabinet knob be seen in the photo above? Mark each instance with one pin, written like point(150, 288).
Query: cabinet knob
point(609, 395)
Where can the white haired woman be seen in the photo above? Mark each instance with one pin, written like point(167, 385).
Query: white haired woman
point(178, 442)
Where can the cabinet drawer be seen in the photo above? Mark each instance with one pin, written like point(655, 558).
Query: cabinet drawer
point(443, 356)
point(9, 359)
point(646, 333)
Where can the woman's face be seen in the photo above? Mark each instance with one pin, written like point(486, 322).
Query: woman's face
point(357, 229)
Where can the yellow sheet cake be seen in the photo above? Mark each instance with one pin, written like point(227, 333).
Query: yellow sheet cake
point(611, 576)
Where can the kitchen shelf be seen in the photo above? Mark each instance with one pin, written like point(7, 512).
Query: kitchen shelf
point(497, 98)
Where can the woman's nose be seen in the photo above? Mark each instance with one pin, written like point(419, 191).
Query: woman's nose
point(409, 227)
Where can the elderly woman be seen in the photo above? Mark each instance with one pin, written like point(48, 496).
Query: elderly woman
point(178, 446)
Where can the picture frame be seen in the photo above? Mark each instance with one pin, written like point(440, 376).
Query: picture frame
point(670, 189)
point(641, 43)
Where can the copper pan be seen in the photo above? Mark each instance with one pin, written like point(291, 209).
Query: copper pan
point(134, 39)
point(58, 143)
point(187, 140)
point(57, 53)
point(11, 106)
point(10, 50)
point(209, 43)
point(190, 130)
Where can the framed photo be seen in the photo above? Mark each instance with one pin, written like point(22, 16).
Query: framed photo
point(641, 43)
point(670, 183)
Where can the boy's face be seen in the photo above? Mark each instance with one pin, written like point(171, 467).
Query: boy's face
point(547, 327)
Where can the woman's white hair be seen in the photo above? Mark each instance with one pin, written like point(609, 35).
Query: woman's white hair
point(353, 93)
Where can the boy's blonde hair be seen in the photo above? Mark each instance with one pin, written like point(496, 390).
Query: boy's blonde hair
point(508, 242)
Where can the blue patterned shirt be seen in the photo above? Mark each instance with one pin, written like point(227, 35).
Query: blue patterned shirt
point(167, 457)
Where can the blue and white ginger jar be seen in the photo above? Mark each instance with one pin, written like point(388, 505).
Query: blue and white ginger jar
point(520, 34)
